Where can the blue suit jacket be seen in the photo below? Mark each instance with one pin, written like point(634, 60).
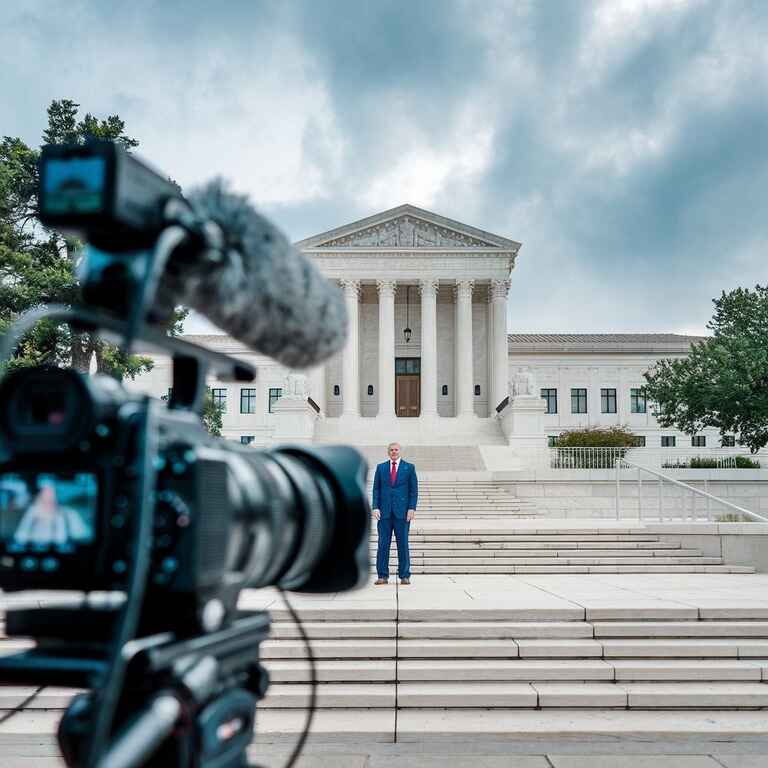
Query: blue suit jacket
point(398, 499)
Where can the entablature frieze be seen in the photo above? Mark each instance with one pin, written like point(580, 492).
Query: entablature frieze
point(404, 267)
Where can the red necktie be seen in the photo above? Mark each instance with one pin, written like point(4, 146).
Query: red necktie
point(393, 474)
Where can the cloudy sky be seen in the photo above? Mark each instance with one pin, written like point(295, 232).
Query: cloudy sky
point(624, 143)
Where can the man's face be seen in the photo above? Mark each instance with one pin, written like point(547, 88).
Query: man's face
point(394, 452)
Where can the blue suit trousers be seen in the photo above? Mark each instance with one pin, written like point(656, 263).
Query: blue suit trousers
point(400, 527)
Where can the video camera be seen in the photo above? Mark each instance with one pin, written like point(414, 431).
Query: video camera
point(130, 501)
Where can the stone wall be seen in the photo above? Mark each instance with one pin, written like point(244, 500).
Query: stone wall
point(597, 498)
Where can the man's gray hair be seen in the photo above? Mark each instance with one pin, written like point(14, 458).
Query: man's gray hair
point(389, 447)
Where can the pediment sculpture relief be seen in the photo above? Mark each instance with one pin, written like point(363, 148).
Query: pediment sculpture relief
point(407, 232)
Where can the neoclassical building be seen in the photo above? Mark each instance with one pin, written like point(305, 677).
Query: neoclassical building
point(428, 358)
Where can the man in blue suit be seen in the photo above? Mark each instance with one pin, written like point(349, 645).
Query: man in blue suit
point(395, 494)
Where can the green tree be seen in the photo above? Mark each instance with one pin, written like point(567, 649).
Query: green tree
point(211, 415)
point(37, 266)
point(212, 412)
point(723, 383)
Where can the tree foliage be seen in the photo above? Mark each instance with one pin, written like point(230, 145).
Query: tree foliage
point(37, 265)
point(723, 383)
point(212, 414)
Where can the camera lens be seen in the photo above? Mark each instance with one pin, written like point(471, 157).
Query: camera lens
point(302, 518)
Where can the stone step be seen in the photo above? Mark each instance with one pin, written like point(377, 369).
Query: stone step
point(693, 670)
point(531, 648)
point(330, 649)
point(599, 731)
point(547, 546)
point(328, 671)
point(521, 569)
point(332, 696)
point(430, 630)
point(503, 557)
point(324, 630)
point(526, 670)
point(647, 629)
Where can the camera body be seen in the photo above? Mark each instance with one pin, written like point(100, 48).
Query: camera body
point(75, 461)
point(102, 490)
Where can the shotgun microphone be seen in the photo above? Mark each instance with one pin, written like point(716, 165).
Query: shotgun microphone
point(257, 287)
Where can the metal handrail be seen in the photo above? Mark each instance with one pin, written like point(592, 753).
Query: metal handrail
point(623, 463)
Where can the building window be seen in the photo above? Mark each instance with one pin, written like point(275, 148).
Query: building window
point(668, 441)
point(699, 441)
point(477, 390)
point(407, 365)
point(275, 393)
point(608, 401)
point(639, 441)
point(370, 390)
point(637, 401)
point(728, 441)
point(248, 400)
point(444, 390)
point(247, 439)
point(550, 398)
point(219, 396)
point(336, 390)
point(551, 441)
point(578, 400)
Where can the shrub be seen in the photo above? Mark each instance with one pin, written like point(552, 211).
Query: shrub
point(592, 437)
point(597, 437)
point(744, 462)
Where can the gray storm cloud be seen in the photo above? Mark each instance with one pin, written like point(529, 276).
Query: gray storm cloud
point(624, 143)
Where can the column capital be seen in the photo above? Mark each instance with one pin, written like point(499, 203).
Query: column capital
point(499, 289)
point(429, 286)
point(464, 287)
point(350, 286)
point(386, 287)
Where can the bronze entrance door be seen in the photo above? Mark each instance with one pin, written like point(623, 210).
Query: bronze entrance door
point(407, 386)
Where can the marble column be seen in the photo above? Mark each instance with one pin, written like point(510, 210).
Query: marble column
point(464, 362)
point(499, 379)
point(428, 290)
point(386, 347)
point(350, 369)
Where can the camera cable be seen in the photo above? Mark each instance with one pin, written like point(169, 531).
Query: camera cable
point(22, 705)
point(312, 679)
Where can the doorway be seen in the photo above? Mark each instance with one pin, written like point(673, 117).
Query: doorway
point(407, 386)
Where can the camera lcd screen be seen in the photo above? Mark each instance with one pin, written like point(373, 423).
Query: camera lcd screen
point(74, 185)
point(43, 511)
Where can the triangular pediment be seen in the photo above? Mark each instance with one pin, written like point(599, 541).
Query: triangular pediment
point(407, 227)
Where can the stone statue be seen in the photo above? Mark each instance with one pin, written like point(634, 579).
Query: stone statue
point(295, 386)
point(523, 383)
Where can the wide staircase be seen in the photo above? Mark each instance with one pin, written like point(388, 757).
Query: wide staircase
point(506, 550)
point(469, 500)
point(525, 662)
point(430, 458)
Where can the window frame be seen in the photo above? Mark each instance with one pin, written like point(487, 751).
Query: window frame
point(608, 397)
point(576, 398)
point(702, 444)
point(272, 399)
point(549, 398)
point(247, 439)
point(251, 395)
point(673, 438)
point(635, 397)
point(218, 398)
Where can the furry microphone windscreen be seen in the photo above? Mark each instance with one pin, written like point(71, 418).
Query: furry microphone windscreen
point(265, 293)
